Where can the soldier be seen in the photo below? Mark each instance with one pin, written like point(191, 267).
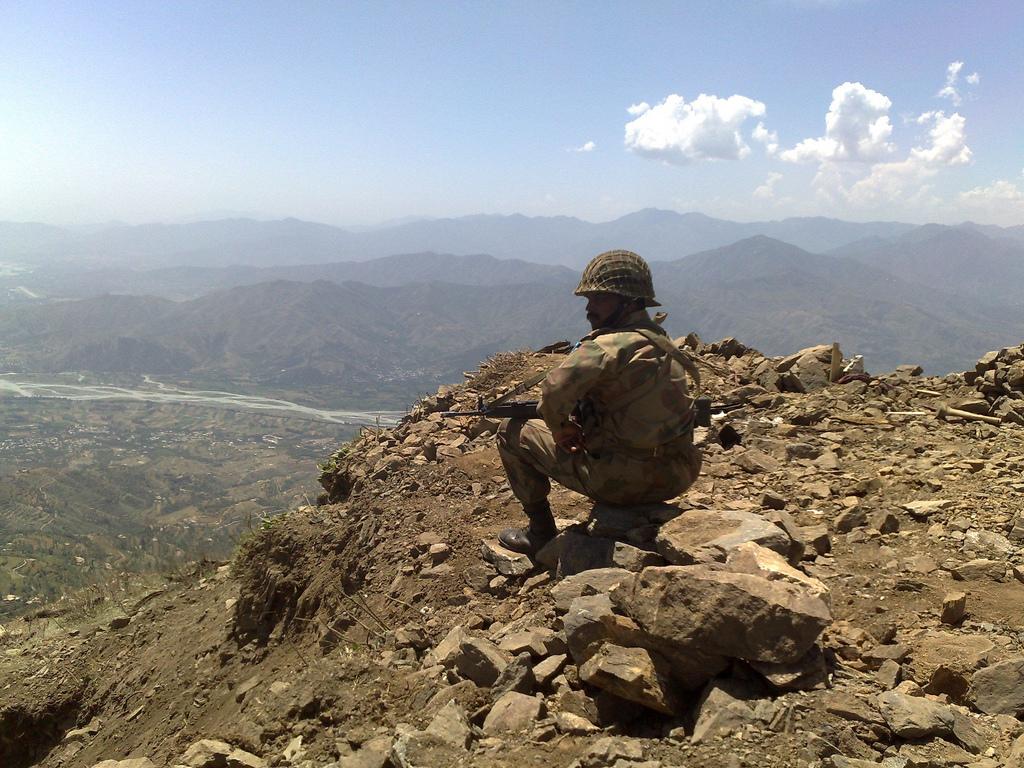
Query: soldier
point(617, 416)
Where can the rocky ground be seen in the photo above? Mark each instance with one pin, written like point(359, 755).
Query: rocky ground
point(842, 587)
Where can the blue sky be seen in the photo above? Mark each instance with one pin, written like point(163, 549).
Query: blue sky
point(357, 113)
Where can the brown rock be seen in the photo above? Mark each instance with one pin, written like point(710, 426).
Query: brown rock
point(954, 608)
point(999, 689)
point(513, 712)
point(634, 674)
point(597, 581)
point(507, 562)
point(706, 535)
point(481, 661)
point(722, 613)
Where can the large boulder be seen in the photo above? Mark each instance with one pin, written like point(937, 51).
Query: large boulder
point(723, 613)
point(591, 622)
point(709, 535)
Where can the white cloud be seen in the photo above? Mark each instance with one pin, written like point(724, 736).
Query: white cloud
point(1001, 202)
point(767, 190)
point(998, 191)
point(948, 139)
point(586, 147)
point(770, 139)
point(707, 128)
point(638, 109)
point(857, 128)
point(951, 90)
point(903, 180)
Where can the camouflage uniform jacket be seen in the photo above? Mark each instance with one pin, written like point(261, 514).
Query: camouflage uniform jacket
point(633, 396)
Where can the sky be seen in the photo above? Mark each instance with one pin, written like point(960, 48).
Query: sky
point(354, 113)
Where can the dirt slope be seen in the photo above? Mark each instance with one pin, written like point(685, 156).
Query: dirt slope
point(322, 627)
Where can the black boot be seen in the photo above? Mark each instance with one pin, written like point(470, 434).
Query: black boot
point(528, 541)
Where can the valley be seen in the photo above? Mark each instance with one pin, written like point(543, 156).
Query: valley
point(91, 490)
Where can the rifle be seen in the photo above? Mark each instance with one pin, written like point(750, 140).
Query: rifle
point(512, 409)
point(527, 409)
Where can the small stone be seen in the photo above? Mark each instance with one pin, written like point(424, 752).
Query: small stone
point(513, 712)
point(547, 670)
point(119, 622)
point(987, 543)
point(889, 674)
point(445, 652)
point(516, 676)
point(438, 553)
point(481, 661)
point(885, 522)
point(922, 510)
point(533, 641)
point(817, 539)
point(723, 709)
point(597, 581)
point(507, 562)
point(954, 608)
point(574, 725)
point(451, 725)
point(706, 535)
point(850, 519)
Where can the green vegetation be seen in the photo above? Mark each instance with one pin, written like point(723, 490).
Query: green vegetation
point(93, 489)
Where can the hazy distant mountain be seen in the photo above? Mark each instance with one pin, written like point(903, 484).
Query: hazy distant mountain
point(955, 260)
point(655, 234)
point(23, 240)
point(780, 298)
point(353, 336)
point(289, 334)
point(191, 282)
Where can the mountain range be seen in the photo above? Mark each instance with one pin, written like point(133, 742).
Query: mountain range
point(939, 296)
point(658, 235)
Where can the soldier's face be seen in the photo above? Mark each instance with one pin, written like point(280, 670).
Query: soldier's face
point(601, 306)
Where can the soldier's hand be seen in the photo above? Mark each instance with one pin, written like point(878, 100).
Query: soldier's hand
point(569, 438)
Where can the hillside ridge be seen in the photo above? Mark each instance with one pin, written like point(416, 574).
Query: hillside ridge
point(345, 633)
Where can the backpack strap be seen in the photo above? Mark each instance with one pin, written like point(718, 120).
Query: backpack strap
point(665, 344)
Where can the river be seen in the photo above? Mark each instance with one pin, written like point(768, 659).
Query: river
point(162, 393)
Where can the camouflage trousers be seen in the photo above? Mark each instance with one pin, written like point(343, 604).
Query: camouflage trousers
point(532, 460)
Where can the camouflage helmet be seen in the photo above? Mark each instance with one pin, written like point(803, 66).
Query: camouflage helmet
point(620, 272)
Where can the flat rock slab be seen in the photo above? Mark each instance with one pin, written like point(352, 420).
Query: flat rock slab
point(513, 712)
point(981, 569)
point(922, 510)
point(507, 562)
point(708, 535)
point(943, 662)
point(592, 582)
point(724, 707)
point(481, 661)
point(999, 689)
point(451, 725)
point(915, 717)
point(420, 749)
point(537, 641)
point(634, 674)
point(721, 613)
